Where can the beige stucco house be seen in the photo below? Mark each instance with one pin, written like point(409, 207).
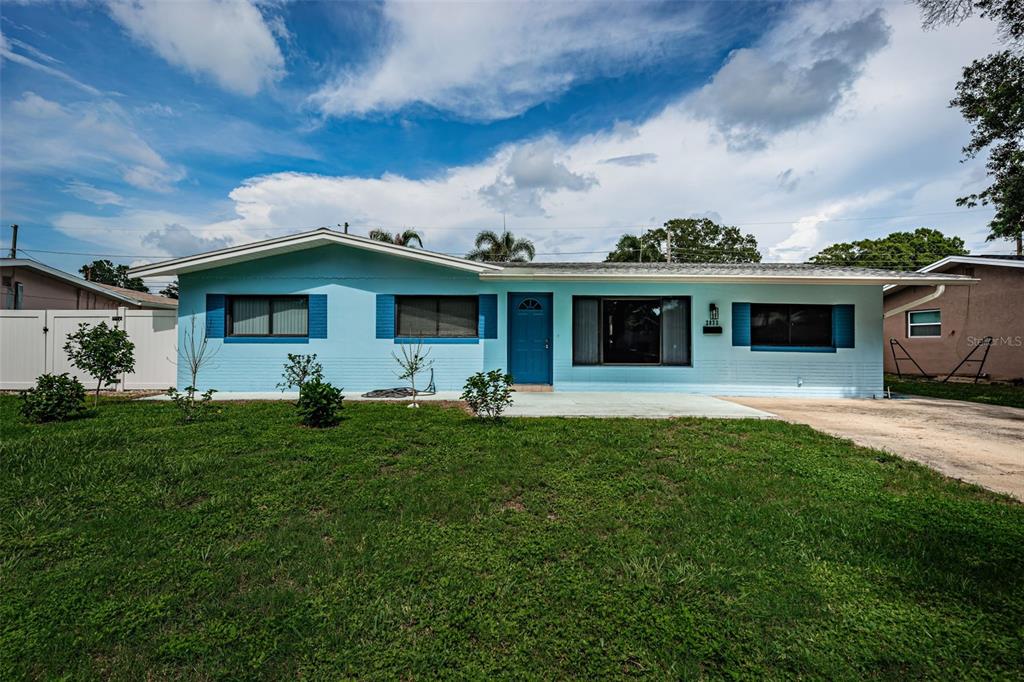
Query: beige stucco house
point(26, 284)
point(941, 332)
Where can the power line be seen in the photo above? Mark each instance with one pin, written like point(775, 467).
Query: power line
point(681, 250)
point(577, 228)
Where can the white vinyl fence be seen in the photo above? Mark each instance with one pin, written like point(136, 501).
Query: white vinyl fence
point(32, 343)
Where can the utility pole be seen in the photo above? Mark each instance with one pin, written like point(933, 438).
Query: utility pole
point(14, 241)
point(668, 244)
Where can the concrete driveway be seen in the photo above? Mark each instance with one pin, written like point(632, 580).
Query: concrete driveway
point(982, 444)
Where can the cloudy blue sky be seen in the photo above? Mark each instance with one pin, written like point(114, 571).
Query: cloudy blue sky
point(145, 128)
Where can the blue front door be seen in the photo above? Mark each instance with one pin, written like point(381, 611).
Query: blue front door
point(529, 338)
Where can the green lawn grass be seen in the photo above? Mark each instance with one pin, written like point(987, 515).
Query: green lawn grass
point(990, 394)
point(419, 543)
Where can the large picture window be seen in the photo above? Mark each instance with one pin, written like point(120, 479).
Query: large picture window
point(268, 316)
point(631, 330)
point(791, 325)
point(437, 316)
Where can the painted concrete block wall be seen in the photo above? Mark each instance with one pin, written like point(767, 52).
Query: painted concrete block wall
point(351, 354)
point(718, 367)
point(354, 358)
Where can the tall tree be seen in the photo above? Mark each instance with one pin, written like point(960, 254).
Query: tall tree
point(633, 248)
point(410, 238)
point(898, 251)
point(106, 272)
point(991, 97)
point(1007, 14)
point(501, 248)
point(171, 290)
point(690, 240)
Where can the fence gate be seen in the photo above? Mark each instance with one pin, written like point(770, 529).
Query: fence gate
point(32, 343)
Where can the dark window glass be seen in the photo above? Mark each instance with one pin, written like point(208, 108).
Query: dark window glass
point(268, 315)
point(675, 331)
point(437, 316)
point(586, 336)
point(773, 324)
point(632, 330)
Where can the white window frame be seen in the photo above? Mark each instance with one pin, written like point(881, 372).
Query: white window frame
point(911, 325)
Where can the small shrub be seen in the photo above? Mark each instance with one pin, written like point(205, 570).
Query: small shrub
point(319, 403)
point(55, 398)
point(488, 394)
point(191, 408)
point(298, 370)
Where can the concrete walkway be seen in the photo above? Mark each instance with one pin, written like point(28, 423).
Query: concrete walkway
point(982, 444)
point(646, 405)
point(569, 404)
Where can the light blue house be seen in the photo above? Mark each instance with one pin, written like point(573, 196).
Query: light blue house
point(723, 329)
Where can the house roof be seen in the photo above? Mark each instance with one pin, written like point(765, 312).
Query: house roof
point(720, 272)
point(949, 262)
point(675, 272)
point(117, 293)
point(299, 242)
point(995, 260)
point(143, 297)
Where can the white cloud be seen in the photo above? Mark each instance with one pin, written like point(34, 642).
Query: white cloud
point(178, 240)
point(789, 81)
point(95, 195)
point(493, 60)
point(229, 40)
point(633, 159)
point(40, 135)
point(530, 173)
point(891, 147)
point(7, 52)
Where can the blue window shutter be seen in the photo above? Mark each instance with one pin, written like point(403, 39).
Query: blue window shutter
point(488, 316)
point(215, 316)
point(842, 326)
point(741, 324)
point(385, 316)
point(317, 316)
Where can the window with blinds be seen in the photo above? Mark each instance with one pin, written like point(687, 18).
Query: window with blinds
point(268, 316)
point(437, 316)
point(631, 330)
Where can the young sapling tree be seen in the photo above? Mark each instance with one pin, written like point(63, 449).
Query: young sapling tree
point(194, 354)
point(412, 361)
point(101, 351)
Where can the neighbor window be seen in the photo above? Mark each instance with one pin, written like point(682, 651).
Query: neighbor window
point(631, 331)
point(924, 323)
point(791, 325)
point(268, 316)
point(437, 316)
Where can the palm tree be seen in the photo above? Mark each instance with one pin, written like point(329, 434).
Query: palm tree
point(410, 238)
point(501, 248)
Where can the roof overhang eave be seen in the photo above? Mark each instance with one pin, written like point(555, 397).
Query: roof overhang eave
point(728, 279)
